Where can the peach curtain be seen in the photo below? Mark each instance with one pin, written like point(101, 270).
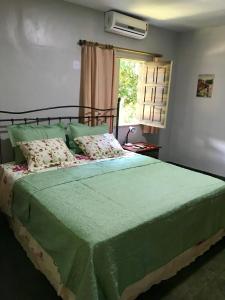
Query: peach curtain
point(97, 79)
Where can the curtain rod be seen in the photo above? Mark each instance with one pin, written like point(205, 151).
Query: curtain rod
point(84, 42)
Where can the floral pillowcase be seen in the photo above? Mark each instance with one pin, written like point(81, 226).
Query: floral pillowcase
point(100, 146)
point(46, 153)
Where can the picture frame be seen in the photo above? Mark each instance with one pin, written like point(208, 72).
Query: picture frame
point(205, 85)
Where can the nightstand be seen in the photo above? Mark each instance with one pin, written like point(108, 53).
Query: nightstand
point(144, 149)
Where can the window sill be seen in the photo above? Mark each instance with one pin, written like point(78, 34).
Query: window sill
point(129, 124)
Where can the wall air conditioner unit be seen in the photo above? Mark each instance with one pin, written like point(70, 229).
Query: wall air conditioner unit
point(125, 25)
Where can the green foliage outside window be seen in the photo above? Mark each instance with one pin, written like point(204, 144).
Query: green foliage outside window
point(128, 82)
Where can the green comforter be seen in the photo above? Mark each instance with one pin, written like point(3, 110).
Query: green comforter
point(108, 224)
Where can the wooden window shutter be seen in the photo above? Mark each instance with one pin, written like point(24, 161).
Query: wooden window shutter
point(153, 93)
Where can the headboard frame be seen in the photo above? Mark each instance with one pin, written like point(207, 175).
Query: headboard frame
point(97, 114)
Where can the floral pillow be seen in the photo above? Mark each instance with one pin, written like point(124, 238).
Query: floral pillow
point(100, 146)
point(45, 153)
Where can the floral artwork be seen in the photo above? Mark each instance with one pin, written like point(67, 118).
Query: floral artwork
point(205, 85)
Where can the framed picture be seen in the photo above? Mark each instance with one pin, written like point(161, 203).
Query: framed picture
point(205, 85)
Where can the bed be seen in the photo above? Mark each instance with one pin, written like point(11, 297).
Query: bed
point(109, 229)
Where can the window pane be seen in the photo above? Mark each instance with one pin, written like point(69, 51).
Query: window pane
point(128, 81)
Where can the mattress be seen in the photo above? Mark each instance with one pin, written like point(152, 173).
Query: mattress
point(123, 219)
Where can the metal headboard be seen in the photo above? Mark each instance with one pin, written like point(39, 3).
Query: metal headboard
point(97, 114)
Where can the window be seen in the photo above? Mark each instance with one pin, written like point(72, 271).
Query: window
point(143, 87)
point(129, 72)
point(154, 93)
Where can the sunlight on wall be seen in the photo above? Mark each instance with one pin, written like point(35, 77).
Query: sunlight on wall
point(219, 146)
point(176, 9)
point(11, 28)
point(36, 33)
point(219, 49)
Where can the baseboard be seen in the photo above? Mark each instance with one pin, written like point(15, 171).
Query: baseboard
point(197, 170)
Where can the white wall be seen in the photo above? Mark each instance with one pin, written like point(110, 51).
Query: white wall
point(198, 125)
point(38, 44)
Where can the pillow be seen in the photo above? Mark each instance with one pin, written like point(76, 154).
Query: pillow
point(75, 130)
point(100, 146)
point(45, 153)
point(25, 133)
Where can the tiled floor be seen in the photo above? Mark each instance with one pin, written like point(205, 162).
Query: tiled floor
point(203, 280)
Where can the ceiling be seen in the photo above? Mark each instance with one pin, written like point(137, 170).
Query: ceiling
point(179, 15)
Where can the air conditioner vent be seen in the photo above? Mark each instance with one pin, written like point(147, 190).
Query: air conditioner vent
point(130, 28)
point(125, 25)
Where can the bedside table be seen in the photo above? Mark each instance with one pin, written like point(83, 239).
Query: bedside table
point(148, 150)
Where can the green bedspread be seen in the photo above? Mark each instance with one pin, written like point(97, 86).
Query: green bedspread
point(108, 224)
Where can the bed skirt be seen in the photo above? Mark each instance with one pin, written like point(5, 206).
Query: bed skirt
point(44, 263)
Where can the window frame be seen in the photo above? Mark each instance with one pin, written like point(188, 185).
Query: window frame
point(157, 64)
point(130, 56)
point(146, 59)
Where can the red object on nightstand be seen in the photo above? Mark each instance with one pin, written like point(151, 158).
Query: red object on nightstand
point(143, 148)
